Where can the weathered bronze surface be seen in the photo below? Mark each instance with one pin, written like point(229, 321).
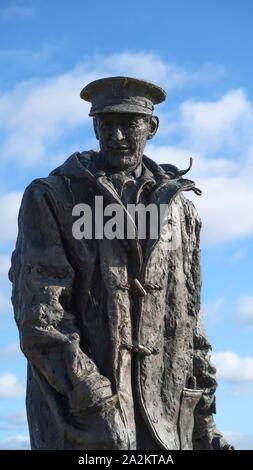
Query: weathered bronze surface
point(117, 353)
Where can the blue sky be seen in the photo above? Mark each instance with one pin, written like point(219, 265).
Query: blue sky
point(200, 53)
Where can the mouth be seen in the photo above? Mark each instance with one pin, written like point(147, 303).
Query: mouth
point(119, 149)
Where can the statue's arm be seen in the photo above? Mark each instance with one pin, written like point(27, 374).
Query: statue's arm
point(205, 434)
point(42, 280)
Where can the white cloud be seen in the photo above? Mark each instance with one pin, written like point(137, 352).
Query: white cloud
point(43, 111)
point(225, 208)
point(209, 125)
point(10, 387)
point(212, 311)
point(11, 351)
point(245, 309)
point(37, 113)
point(223, 128)
point(149, 66)
point(235, 369)
point(15, 443)
point(5, 263)
point(9, 207)
point(226, 204)
point(239, 440)
point(47, 109)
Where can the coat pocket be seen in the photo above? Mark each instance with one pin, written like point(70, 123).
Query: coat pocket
point(189, 400)
point(102, 425)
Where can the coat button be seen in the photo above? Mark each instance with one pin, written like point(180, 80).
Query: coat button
point(143, 350)
point(99, 173)
point(138, 348)
point(138, 287)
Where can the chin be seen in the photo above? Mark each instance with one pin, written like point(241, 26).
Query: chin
point(122, 162)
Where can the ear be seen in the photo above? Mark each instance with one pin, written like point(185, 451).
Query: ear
point(154, 124)
point(95, 126)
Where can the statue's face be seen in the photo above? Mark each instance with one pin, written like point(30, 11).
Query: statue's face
point(122, 137)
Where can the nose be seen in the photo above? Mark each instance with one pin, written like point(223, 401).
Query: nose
point(117, 134)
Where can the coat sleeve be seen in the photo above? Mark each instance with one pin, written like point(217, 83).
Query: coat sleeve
point(42, 278)
point(205, 434)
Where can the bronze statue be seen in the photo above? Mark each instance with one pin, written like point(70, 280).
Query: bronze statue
point(112, 329)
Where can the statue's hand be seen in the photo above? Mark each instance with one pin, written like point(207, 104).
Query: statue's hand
point(91, 391)
point(219, 443)
point(95, 411)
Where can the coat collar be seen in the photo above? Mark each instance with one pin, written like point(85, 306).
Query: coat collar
point(85, 165)
point(166, 181)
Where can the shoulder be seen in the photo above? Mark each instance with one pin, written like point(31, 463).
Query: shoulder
point(39, 187)
point(49, 193)
point(189, 208)
point(189, 219)
point(74, 166)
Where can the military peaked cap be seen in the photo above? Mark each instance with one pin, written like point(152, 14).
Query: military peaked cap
point(122, 95)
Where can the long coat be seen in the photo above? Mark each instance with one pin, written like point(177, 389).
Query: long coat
point(108, 327)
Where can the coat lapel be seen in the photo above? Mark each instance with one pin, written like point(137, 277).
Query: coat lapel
point(164, 193)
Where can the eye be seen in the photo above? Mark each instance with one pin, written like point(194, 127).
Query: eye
point(105, 125)
point(133, 124)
